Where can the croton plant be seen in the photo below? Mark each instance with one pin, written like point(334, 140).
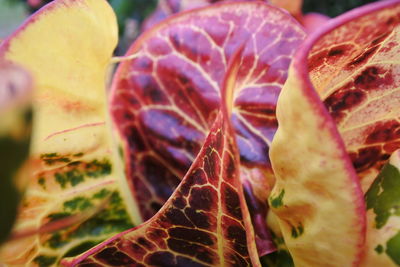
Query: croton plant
point(228, 135)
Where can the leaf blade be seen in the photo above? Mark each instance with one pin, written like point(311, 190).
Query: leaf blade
point(312, 76)
point(165, 99)
point(357, 82)
point(305, 191)
point(76, 164)
point(201, 224)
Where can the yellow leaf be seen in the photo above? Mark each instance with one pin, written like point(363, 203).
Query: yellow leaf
point(67, 46)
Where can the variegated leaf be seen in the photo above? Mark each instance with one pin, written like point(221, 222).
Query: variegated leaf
point(317, 197)
point(15, 131)
point(281, 257)
point(354, 67)
point(166, 97)
point(77, 169)
point(383, 205)
point(204, 223)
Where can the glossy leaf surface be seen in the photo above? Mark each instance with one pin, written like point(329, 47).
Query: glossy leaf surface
point(345, 65)
point(75, 167)
point(204, 223)
point(15, 130)
point(166, 98)
point(383, 201)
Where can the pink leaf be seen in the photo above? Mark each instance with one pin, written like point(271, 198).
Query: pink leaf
point(166, 98)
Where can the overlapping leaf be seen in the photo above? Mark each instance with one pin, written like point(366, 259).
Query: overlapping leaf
point(351, 65)
point(204, 223)
point(355, 69)
point(15, 130)
point(76, 168)
point(383, 201)
point(166, 98)
point(316, 196)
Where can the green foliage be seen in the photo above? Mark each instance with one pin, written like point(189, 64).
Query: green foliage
point(138, 9)
point(332, 8)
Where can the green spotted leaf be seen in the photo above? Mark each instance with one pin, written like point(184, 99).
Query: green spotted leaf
point(338, 120)
point(76, 196)
point(383, 196)
point(281, 257)
point(277, 202)
point(205, 222)
point(383, 204)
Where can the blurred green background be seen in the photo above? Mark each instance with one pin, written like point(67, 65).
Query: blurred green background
point(332, 8)
point(131, 13)
point(13, 12)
